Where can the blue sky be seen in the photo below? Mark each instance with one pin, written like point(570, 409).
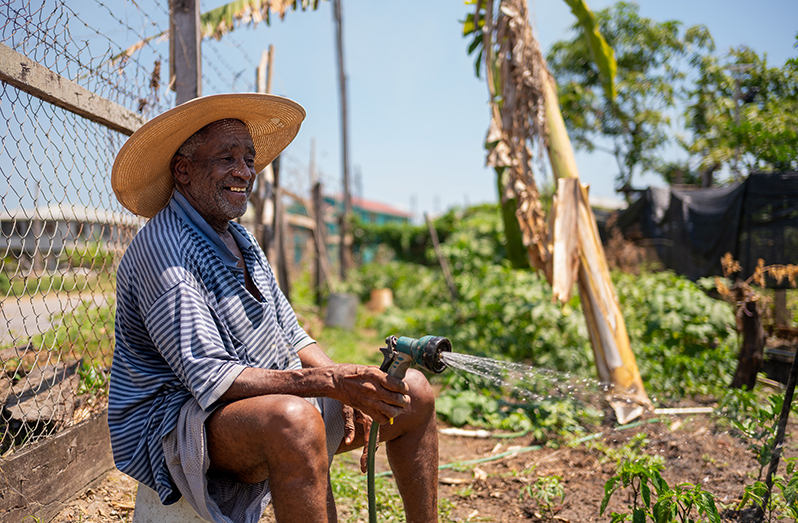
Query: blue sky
point(418, 114)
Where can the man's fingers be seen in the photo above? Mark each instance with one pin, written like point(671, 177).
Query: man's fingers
point(355, 381)
point(395, 384)
point(363, 460)
point(349, 425)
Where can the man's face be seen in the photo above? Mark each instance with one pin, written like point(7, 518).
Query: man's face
point(218, 180)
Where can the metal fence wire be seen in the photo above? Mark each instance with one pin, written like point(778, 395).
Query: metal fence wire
point(63, 231)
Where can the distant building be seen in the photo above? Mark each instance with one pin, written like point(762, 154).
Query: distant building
point(45, 232)
point(301, 233)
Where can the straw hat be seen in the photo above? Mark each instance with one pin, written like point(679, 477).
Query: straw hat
point(141, 177)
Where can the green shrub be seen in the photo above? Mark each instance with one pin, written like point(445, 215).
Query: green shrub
point(684, 341)
point(91, 255)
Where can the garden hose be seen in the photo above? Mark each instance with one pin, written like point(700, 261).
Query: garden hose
point(372, 492)
point(399, 355)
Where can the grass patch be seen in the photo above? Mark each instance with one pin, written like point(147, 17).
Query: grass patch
point(350, 490)
point(17, 286)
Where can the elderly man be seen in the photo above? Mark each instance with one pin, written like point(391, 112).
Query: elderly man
point(217, 394)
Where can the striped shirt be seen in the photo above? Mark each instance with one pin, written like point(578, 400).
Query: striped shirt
point(187, 326)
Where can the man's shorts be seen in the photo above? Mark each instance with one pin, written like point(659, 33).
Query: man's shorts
point(218, 498)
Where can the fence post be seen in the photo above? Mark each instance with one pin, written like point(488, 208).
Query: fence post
point(318, 236)
point(184, 49)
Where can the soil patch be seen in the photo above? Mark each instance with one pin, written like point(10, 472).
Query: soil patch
point(695, 449)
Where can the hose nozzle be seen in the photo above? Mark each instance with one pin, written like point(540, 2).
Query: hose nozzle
point(425, 352)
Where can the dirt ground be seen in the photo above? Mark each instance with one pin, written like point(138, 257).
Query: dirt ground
point(695, 449)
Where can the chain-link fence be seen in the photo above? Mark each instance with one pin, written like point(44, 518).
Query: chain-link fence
point(63, 231)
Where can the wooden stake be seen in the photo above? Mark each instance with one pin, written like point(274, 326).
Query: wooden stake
point(444, 265)
point(185, 57)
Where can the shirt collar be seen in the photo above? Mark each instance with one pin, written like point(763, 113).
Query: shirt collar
point(181, 206)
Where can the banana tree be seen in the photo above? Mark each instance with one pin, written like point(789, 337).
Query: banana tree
point(524, 112)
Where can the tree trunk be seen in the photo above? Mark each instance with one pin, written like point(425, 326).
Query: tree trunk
point(752, 350)
point(516, 252)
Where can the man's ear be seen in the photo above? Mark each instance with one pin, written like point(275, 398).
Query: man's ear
point(180, 169)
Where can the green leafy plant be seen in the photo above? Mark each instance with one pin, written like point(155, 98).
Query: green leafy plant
point(678, 504)
point(93, 379)
point(682, 501)
point(783, 496)
point(547, 492)
point(755, 422)
point(638, 477)
point(632, 451)
point(685, 340)
point(478, 403)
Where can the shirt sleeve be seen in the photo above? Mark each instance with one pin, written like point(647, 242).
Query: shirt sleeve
point(193, 341)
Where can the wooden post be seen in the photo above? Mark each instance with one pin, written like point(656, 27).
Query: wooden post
point(781, 315)
point(346, 237)
point(279, 234)
point(447, 274)
point(321, 246)
point(752, 348)
point(35, 79)
point(263, 197)
point(184, 49)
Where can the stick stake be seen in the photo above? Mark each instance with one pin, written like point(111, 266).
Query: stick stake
point(779, 441)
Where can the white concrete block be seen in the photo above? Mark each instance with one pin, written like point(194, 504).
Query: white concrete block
point(150, 510)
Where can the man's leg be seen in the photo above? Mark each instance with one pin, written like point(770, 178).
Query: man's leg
point(413, 455)
point(277, 437)
point(412, 448)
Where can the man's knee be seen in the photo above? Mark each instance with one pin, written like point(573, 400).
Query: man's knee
point(294, 425)
point(422, 397)
point(274, 425)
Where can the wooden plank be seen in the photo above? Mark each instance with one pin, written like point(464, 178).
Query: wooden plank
point(40, 481)
point(37, 80)
point(298, 220)
point(46, 395)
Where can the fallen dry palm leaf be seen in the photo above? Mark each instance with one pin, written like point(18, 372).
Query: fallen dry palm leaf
point(525, 110)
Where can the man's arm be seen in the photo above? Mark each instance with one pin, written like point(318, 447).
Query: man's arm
point(312, 356)
point(364, 388)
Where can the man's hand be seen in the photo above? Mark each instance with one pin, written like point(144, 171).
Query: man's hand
point(368, 389)
point(352, 419)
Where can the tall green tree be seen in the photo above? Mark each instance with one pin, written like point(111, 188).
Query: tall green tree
point(743, 115)
point(653, 62)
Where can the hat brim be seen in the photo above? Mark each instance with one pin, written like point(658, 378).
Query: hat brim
point(141, 175)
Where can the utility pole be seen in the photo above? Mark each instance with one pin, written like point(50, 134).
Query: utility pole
point(261, 198)
point(346, 237)
point(185, 57)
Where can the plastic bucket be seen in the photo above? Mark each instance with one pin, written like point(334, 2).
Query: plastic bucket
point(341, 311)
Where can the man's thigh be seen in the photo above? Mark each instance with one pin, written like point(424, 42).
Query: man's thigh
point(248, 436)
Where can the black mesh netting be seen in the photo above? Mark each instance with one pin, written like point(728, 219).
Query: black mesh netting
point(691, 229)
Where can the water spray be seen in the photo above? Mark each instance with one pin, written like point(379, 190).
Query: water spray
point(399, 355)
